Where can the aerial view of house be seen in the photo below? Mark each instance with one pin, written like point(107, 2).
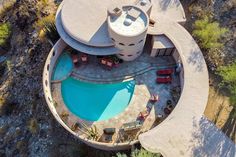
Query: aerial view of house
point(118, 75)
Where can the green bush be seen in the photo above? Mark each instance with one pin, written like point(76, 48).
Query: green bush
point(228, 75)
point(33, 126)
point(208, 33)
point(139, 153)
point(5, 33)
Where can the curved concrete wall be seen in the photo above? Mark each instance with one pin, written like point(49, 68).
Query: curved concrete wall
point(192, 102)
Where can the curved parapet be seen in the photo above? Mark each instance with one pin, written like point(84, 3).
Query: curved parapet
point(175, 135)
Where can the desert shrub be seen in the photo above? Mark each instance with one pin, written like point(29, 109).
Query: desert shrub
point(6, 6)
point(208, 33)
point(228, 75)
point(50, 31)
point(2, 69)
point(6, 106)
point(33, 126)
point(140, 153)
point(5, 33)
point(25, 14)
point(41, 22)
point(43, 2)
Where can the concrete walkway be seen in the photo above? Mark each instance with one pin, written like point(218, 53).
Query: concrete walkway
point(185, 132)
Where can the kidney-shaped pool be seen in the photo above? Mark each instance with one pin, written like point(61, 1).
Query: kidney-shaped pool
point(96, 102)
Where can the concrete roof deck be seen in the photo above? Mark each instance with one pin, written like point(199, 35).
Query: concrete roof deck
point(83, 23)
point(80, 46)
point(85, 20)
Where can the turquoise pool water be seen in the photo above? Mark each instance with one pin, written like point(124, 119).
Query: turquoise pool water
point(95, 102)
point(63, 67)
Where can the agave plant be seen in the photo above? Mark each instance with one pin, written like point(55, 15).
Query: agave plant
point(50, 31)
point(91, 132)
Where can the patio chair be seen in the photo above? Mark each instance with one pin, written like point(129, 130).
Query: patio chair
point(84, 58)
point(166, 79)
point(154, 98)
point(103, 61)
point(75, 59)
point(109, 64)
point(165, 72)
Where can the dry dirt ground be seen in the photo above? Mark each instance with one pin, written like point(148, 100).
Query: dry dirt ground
point(219, 111)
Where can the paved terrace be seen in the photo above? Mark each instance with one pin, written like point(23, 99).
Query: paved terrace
point(95, 72)
point(145, 86)
point(185, 132)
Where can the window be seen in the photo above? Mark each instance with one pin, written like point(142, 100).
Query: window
point(46, 83)
point(48, 67)
point(53, 54)
point(121, 44)
point(138, 52)
point(140, 41)
point(131, 44)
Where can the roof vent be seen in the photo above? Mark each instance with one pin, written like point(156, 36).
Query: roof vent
point(143, 2)
point(127, 22)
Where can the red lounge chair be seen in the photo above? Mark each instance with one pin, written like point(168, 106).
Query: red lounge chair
point(166, 79)
point(165, 72)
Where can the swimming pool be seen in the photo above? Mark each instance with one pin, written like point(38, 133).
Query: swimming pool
point(63, 67)
point(96, 102)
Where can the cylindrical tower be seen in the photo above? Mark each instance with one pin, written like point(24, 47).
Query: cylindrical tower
point(127, 27)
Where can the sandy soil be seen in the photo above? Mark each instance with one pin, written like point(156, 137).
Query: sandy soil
point(218, 111)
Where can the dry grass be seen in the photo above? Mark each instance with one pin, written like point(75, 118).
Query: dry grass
point(7, 5)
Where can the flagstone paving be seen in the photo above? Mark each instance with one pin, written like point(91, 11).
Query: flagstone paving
point(145, 86)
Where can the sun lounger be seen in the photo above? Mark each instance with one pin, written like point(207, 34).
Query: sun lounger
point(165, 72)
point(166, 79)
point(132, 125)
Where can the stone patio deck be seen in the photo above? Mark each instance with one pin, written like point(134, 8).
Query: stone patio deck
point(95, 72)
point(145, 86)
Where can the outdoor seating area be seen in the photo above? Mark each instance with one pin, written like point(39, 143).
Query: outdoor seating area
point(79, 59)
point(164, 75)
point(110, 62)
